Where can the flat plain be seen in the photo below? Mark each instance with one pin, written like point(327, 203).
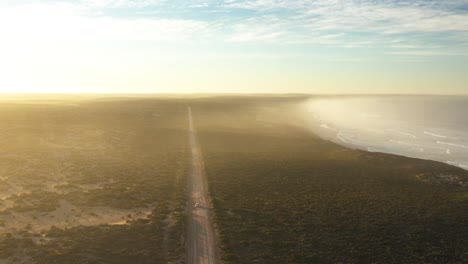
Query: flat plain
point(93, 181)
point(105, 180)
point(283, 195)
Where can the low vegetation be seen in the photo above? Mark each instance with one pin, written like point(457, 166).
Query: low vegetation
point(282, 195)
point(95, 182)
point(103, 181)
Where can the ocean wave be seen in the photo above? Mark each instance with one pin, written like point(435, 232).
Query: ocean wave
point(326, 126)
point(402, 133)
point(458, 164)
point(434, 135)
point(389, 129)
point(340, 137)
point(451, 144)
point(404, 143)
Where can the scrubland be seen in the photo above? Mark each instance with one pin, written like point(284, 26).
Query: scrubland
point(283, 195)
point(104, 181)
point(93, 181)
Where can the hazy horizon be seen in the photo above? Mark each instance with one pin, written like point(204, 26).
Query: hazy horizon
point(224, 94)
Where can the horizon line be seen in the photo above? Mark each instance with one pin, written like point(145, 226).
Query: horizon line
point(228, 93)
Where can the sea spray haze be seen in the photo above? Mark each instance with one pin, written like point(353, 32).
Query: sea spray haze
point(428, 127)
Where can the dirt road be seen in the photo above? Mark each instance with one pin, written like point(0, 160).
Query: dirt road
point(201, 235)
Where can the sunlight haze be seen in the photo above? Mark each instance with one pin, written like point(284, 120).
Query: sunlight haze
point(233, 131)
point(258, 46)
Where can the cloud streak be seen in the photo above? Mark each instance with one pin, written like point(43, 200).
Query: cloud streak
point(365, 21)
point(338, 23)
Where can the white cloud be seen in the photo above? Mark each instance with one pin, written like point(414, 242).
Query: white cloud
point(122, 3)
point(55, 22)
point(364, 15)
point(345, 23)
point(423, 52)
point(355, 23)
point(262, 5)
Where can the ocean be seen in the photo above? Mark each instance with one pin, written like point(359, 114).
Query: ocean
point(426, 127)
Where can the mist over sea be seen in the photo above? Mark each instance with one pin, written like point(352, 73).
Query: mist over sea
point(427, 127)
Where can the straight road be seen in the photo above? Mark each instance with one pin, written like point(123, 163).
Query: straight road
point(201, 235)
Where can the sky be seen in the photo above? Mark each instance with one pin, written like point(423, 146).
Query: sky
point(234, 46)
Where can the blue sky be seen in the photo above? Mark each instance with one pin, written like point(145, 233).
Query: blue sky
point(310, 46)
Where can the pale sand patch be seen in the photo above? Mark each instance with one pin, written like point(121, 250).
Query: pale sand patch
point(67, 216)
point(11, 189)
point(17, 258)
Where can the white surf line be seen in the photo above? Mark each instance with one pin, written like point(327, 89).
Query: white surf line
point(451, 144)
point(326, 126)
point(201, 243)
point(402, 133)
point(461, 165)
point(340, 137)
point(404, 143)
point(434, 135)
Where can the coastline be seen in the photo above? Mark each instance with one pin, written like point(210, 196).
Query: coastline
point(338, 136)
